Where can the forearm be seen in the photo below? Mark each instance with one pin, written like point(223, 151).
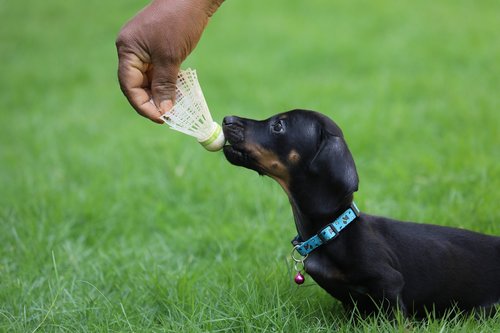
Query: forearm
point(208, 6)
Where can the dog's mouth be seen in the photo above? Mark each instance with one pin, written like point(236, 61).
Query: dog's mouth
point(234, 149)
point(237, 150)
point(235, 154)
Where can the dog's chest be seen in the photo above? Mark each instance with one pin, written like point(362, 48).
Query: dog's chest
point(333, 278)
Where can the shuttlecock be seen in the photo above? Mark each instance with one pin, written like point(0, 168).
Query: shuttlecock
point(190, 114)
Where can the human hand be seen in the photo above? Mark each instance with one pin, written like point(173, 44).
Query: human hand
point(151, 48)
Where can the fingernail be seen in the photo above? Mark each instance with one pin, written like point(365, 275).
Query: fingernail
point(165, 106)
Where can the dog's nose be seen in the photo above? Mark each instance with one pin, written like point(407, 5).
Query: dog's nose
point(230, 120)
point(233, 129)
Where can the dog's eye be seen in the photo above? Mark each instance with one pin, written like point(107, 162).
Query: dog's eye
point(278, 127)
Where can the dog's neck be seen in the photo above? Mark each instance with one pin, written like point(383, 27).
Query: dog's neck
point(309, 223)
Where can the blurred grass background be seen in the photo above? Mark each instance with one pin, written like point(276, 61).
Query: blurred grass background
point(109, 222)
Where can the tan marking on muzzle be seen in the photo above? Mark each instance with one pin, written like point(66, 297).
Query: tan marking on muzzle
point(270, 164)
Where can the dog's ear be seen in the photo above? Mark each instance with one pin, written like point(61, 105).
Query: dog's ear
point(333, 162)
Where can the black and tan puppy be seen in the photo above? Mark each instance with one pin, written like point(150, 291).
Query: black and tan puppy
point(375, 262)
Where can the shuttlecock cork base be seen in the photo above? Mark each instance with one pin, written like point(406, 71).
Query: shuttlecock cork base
point(215, 141)
point(190, 114)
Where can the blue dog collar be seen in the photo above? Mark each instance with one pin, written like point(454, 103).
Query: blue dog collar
point(329, 232)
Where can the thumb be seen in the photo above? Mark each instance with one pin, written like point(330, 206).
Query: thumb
point(163, 85)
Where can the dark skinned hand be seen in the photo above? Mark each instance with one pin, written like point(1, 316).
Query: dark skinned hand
point(151, 48)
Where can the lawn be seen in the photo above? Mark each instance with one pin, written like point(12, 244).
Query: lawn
point(110, 223)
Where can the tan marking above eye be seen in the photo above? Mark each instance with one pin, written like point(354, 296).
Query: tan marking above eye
point(293, 156)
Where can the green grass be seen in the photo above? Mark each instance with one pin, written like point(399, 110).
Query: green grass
point(111, 223)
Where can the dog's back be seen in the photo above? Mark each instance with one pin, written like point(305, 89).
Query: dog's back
point(442, 265)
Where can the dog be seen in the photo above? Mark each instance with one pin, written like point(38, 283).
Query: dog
point(371, 263)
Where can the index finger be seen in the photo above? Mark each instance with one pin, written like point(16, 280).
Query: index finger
point(135, 84)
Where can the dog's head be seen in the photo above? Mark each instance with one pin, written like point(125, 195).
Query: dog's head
point(302, 150)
